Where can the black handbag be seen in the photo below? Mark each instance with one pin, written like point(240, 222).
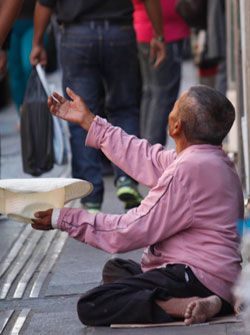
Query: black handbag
point(36, 129)
point(194, 12)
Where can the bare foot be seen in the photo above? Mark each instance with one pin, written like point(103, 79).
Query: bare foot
point(200, 310)
point(176, 307)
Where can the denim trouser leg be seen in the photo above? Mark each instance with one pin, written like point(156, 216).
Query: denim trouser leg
point(121, 75)
point(86, 163)
point(80, 68)
point(160, 90)
point(91, 56)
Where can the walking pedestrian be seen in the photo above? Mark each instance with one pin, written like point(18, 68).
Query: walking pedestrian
point(20, 44)
point(98, 56)
point(160, 83)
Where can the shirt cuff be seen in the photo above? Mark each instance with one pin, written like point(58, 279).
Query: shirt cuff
point(96, 132)
point(55, 217)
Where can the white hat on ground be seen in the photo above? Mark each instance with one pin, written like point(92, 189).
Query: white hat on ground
point(21, 198)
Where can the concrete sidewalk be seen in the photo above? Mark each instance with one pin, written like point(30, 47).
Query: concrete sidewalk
point(43, 274)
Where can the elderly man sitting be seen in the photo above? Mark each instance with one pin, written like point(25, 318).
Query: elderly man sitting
point(187, 222)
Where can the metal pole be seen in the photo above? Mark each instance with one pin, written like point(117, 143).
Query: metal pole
point(234, 78)
point(245, 61)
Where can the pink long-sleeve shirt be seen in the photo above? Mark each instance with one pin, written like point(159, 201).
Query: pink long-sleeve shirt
point(189, 215)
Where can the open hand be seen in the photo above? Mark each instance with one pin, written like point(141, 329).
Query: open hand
point(74, 110)
point(42, 220)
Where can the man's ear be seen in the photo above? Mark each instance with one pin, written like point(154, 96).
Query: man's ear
point(177, 128)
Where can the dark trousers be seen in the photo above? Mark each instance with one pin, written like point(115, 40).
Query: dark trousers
point(131, 298)
point(100, 63)
point(160, 90)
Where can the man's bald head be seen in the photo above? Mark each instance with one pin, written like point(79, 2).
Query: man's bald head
point(206, 115)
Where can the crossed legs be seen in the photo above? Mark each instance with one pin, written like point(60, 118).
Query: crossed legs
point(157, 296)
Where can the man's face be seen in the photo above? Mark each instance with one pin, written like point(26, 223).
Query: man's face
point(172, 119)
point(174, 116)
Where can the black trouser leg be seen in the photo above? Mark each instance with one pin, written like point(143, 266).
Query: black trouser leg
point(131, 299)
point(118, 268)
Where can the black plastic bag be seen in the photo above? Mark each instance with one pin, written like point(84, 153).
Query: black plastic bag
point(36, 129)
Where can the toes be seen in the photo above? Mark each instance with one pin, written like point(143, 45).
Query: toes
point(188, 316)
point(188, 321)
point(188, 313)
point(189, 309)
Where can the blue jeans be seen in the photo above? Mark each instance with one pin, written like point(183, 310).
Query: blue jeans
point(99, 62)
point(160, 90)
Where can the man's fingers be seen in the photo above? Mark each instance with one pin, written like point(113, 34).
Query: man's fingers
point(40, 215)
point(53, 106)
point(53, 109)
point(42, 223)
point(58, 97)
point(55, 101)
point(43, 214)
point(71, 93)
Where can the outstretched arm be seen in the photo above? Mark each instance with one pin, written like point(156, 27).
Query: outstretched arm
point(142, 161)
point(9, 10)
point(163, 213)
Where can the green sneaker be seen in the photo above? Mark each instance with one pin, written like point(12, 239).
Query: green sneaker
point(127, 192)
point(92, 207)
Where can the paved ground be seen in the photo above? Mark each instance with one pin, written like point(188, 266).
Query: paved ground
point(43, 274)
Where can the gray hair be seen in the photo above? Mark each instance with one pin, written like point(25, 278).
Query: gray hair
point(206, 115)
